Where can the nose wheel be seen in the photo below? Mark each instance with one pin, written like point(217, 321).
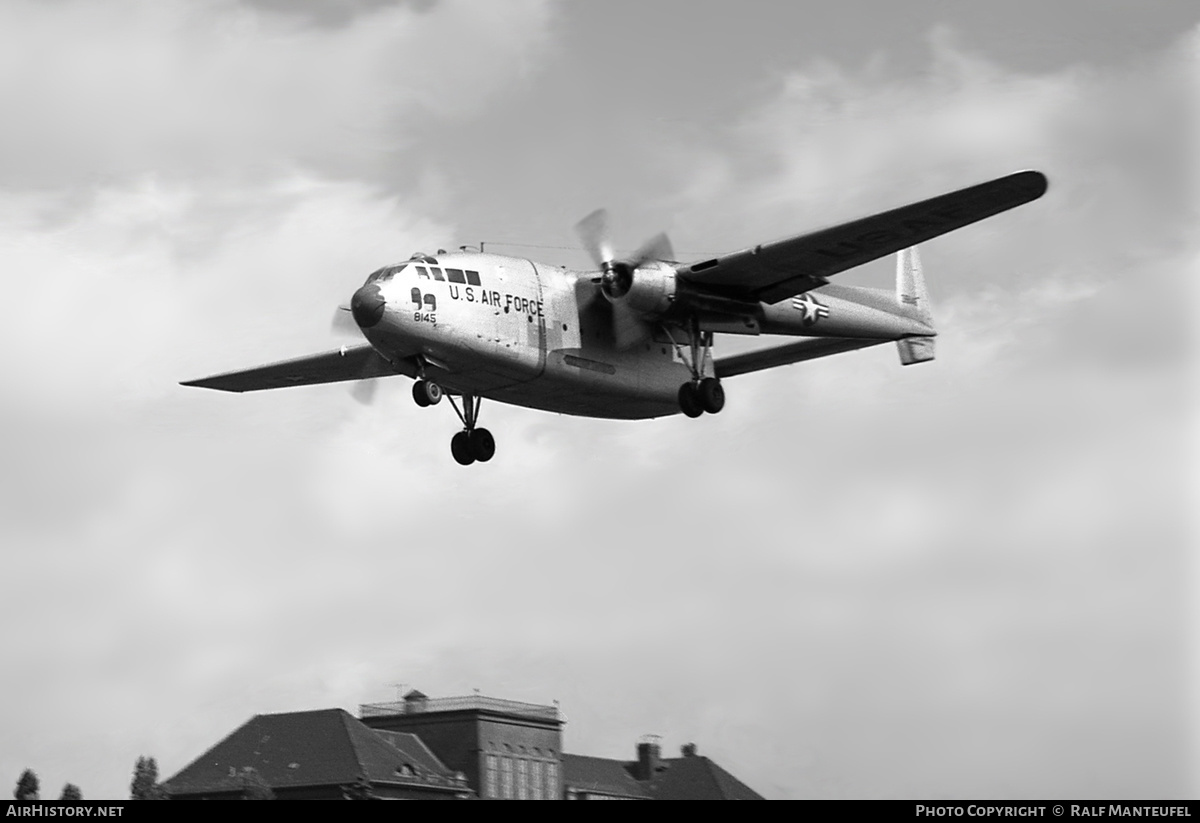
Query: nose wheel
point(427, 393)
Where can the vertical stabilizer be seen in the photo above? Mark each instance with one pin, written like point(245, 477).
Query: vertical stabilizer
point(911, 293)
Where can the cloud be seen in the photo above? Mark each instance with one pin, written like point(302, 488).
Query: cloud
point(91, 92)
point(834, 144)
point(186, 183)
point(934, 515)
point(951, 578)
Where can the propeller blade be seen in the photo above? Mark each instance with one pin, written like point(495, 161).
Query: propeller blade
point(629, 329)
point(656, 248)
point(364, 391)
point(593, 233)
point(343, 323)
point(587, 289)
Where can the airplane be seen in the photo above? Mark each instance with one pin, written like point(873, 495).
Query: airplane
point(632, 339)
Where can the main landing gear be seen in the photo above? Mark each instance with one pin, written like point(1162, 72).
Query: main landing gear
point(701, 394)
point(470, 444)
point(705, 396)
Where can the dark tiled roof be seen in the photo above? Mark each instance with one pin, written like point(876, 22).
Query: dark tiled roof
point(682, 778)
point(419, 755)
point(602, 776)
point(316, 748)
point(698, 778)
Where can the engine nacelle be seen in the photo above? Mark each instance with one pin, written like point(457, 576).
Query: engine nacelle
point(649, 289)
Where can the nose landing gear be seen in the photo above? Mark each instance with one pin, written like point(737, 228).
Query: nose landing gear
point(426, 393)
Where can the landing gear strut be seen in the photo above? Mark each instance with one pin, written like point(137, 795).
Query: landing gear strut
point(471, 444)
point(701, 394)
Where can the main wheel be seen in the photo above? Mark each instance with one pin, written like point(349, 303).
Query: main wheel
point(712, 395)
point(426, 393)
point(689, 400)
point(483, 445)
point(460, 447)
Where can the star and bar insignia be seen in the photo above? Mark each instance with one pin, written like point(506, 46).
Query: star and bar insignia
point(813, 308)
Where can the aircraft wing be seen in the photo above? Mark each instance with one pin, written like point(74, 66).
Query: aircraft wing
point(775, 271)
point(807, 349)
point(347, 363)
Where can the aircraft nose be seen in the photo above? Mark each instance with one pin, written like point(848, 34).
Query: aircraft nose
point(367, 306)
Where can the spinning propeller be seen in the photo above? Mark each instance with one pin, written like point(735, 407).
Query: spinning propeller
point(616, 276)
point(344, 325)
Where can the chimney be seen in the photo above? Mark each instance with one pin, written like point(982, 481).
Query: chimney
point(688, 749)
point(649, 753)
point(414, 702)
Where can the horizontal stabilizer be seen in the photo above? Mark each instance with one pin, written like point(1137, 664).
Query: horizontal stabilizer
point(915, 350)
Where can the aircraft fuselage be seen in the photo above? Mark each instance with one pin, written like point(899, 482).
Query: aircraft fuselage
point(533, 335)
point(513, 330)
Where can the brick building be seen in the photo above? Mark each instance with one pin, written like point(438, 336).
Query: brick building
point(441, 748)
point(505, 748)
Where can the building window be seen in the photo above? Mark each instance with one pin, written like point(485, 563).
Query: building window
point(506, 778)
point(536, 766)
point(552, 779)
point(522, 779)
point(491, 785)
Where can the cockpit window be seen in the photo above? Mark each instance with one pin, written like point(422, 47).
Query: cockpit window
point(385, 274)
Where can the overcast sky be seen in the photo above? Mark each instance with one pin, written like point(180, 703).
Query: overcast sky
point(967, 578)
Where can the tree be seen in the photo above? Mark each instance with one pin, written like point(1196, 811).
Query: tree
point(27, 786)
point(71, 792)
point(145, 784)
point(254, 787)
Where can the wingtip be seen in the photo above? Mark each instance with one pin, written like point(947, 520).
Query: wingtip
point(205, 383)
point(1035, 181)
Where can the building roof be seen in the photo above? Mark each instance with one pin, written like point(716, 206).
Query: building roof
point(683, 778)
point(698, 778)
point(416, 703)
point(315, 748)
point(601, 775)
